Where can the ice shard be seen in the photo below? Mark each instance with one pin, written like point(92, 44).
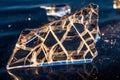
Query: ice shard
point(69, 40)
point(56, 11)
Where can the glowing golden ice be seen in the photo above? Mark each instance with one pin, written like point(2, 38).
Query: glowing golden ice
point(66, 41)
